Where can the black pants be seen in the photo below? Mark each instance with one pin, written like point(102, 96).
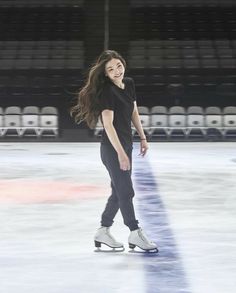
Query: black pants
point(122, 189)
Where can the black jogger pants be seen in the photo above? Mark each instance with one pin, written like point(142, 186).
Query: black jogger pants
point(122, 189)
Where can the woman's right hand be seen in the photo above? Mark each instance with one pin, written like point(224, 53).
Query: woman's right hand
point(124, 161)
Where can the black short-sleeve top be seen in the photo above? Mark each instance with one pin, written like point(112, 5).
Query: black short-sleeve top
point(121, 102)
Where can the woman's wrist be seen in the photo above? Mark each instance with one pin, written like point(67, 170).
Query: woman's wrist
point(143, 138)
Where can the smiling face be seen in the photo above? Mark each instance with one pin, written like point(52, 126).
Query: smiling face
point(115, 70)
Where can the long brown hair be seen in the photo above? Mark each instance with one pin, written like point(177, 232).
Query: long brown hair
point(87, 106)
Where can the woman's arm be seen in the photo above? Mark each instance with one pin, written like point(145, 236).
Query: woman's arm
point(107, 118)
point(138, 125)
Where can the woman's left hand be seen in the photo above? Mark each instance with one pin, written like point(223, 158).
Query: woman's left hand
point(143, 147)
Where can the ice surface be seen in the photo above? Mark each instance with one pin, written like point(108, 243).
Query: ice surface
point(51, 198)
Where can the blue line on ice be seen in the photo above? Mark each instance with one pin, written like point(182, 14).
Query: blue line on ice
point(164, 272)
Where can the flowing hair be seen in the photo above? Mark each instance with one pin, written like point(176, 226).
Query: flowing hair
point(87, 107)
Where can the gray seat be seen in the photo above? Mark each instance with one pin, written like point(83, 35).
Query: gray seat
point(177, 121)
point(229, 121)
point(195, 121)
point(144, 118)
point(99, 128)
point(23, 63)
point(137, 50)
point(56, 64)
point(173, 63)
point(159, 121)
point(7, 64)
point(39, 63)
point(205, 43)
point(225, 52)
point(24, 53)
point(209, 63)
point(74, 63)
point(227, 62)
point(48, 121)
point(155, 52)
point(213, 118)
point(1, 121)
point(8, 54)
point(12, 121)
point(191, 63)
point(189, 52)
point(207, 52)
point(30, 121)
point(137, 63)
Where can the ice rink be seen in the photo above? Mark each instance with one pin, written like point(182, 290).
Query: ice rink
point(51, 198)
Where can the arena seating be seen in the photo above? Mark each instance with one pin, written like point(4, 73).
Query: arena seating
point(183, 52)
point(185, 123)
point(29, 121)
point(41, 3)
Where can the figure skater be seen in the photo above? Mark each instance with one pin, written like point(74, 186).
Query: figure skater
point(109, 96)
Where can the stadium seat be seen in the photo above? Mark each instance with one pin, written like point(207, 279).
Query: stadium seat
point(30, 121)
point(12, 121)
point(48, 121)
point(1, 121)
point(229, 121)
point(158, 122)
point(177, 121)
point(195, 121)
point(213, 119)
point(99, 128)
point(145, 120)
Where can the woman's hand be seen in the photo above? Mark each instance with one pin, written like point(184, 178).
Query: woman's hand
point(124, 161)
point(143, 147)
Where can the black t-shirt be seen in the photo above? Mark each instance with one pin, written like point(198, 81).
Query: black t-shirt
point(121, 101)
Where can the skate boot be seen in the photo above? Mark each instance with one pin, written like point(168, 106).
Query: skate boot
point(139, 239)
point(103, 236)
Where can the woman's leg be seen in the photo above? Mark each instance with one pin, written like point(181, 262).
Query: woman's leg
point(122, 185)
point(111, 209)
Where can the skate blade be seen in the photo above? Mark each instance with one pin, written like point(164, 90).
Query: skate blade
point(111, 250)
point(141, 250)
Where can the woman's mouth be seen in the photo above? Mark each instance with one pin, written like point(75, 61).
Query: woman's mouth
point(117, 76)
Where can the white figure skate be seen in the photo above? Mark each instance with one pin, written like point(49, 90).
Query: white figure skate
point(103, 236)
point(139, 239)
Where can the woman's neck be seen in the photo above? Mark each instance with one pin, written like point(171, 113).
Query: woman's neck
point(120, 84)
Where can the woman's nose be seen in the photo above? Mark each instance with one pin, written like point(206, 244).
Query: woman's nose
point(117, 70)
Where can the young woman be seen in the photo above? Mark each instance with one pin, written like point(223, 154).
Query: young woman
point(110, 96)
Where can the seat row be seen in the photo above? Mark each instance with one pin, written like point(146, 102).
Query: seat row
point(168, 53)
point(44, 53)
point(183, 22)
point(155, 43)
point(49, 44)
point(41, 63)
point(195, 120)
point(28, 121)
point(187, 122)
point(41, 3)
point(188, 63)
point(154, 3)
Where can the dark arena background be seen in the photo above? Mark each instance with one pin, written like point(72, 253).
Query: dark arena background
point(53, 186)
point(180, 54)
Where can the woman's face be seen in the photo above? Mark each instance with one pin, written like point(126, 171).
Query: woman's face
point(115, 70)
